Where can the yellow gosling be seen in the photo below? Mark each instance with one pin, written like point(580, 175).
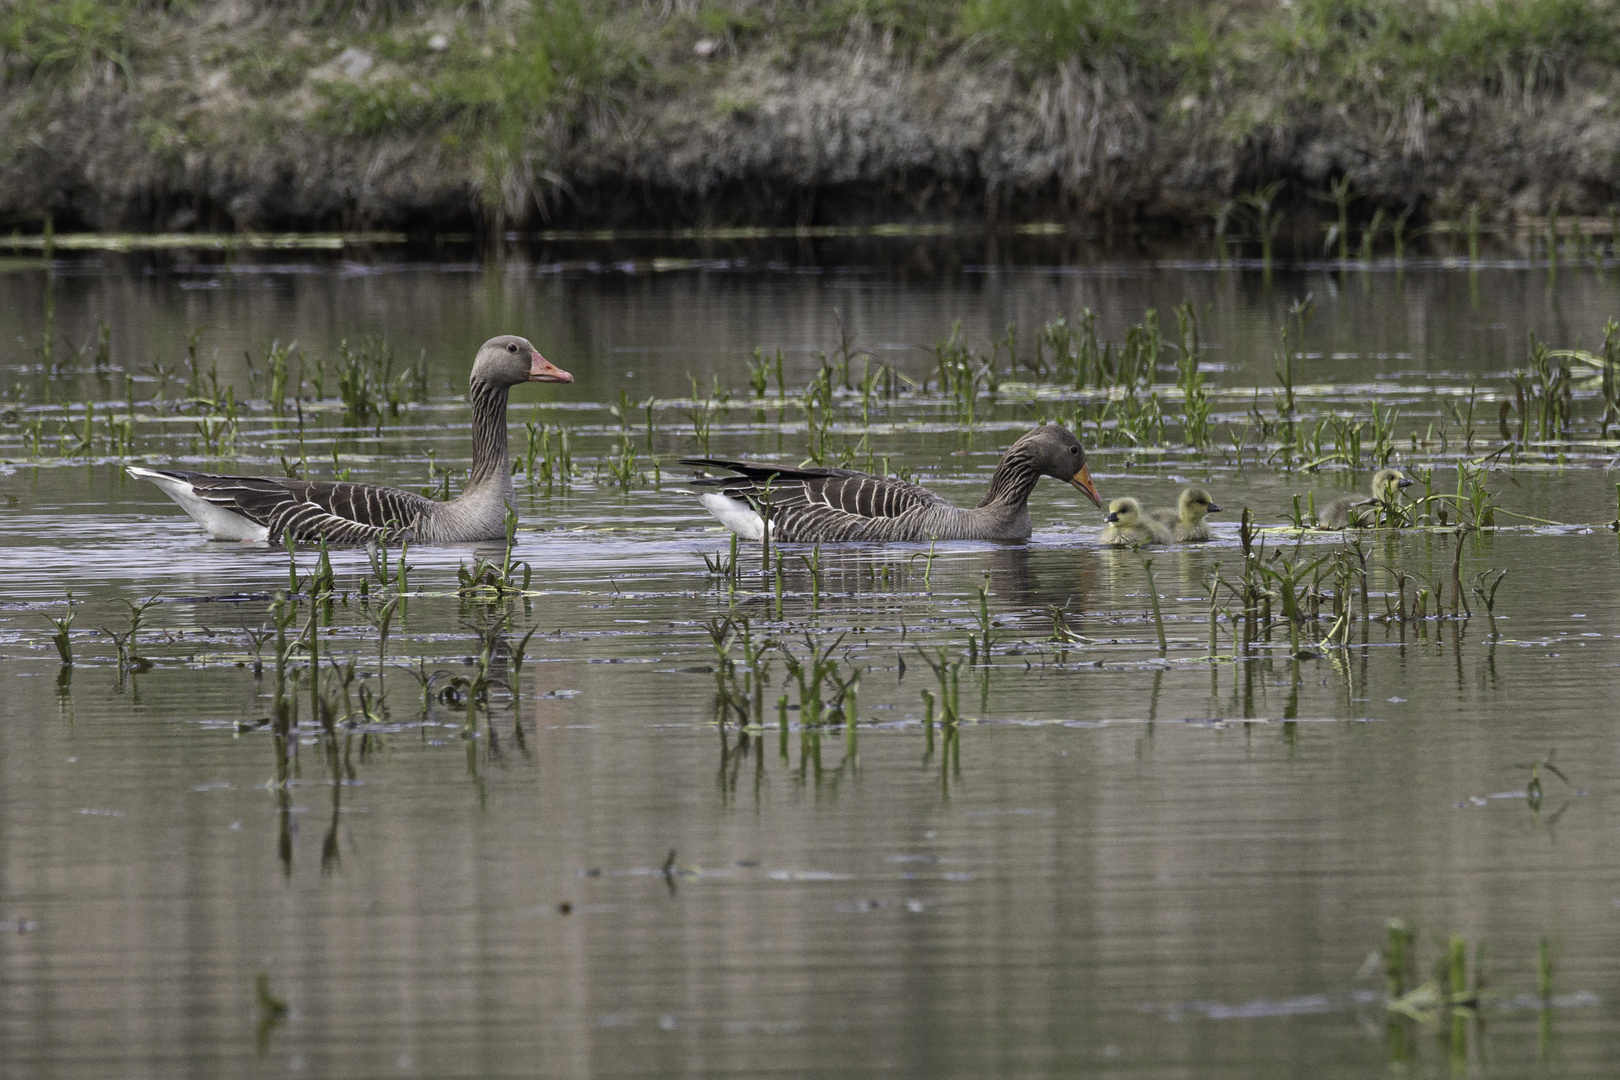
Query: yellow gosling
point(1128, 528)
point(1186, 522)
point(1353, 512)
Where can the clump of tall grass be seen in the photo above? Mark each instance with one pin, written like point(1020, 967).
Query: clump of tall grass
point(56, 40)
point(1048, 33)
point(553, 50)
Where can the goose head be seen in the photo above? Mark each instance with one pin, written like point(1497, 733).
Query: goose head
point(509, 360)
point(1389, 483)
point(1195, 505)
point(1056, 453)
point(1126, 513)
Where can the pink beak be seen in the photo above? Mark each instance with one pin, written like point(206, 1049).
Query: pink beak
point(543, 370)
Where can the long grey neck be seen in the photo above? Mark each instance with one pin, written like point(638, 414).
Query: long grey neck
point(490, 463)
point(1014, 479)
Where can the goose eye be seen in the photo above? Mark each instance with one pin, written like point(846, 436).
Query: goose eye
point(510, 347)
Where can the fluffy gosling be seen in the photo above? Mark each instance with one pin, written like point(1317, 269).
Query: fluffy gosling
point(1186, 522)
point(1128, 528)
point(1353, 512)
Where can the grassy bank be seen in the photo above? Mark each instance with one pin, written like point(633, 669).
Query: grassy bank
point(430, 114)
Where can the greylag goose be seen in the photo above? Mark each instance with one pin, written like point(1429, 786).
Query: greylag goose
point(812, 505)
point(1128, 528)
point(1354, 512)
point(1186, 522)
point(266, 508)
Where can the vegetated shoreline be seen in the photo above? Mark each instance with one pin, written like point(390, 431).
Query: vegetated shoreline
point(246, 116)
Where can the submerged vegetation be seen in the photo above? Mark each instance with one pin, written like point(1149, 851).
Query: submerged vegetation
point(1293, 593)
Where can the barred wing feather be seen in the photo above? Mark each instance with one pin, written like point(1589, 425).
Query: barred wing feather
point(828, 504)
point(338, 511)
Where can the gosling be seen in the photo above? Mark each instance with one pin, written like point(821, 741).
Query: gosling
point(1186, 522)
point(1357, 513)
point(1128, 528)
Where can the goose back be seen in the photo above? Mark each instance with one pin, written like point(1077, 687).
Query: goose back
point(833, 504)
point(338, 511)
point(829, 504)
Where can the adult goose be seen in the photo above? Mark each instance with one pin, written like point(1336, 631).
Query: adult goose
point(1186, 522)
point(267, 508)
point(1354, 512)
point(818, 505)
point(1128, 528)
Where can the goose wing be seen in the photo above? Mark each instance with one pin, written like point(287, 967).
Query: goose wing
point(819, 503)
point(336, 510)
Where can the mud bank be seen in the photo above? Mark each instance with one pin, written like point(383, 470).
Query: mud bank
point(243, 116)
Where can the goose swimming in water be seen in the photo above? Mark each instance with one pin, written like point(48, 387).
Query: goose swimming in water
point(819, 505)
point(266, 508)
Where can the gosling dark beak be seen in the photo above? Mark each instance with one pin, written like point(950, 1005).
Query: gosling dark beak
point(1111, 517)
point(543, 370)
point(1403, 484)
point(1214, 509)
point(1081, 482)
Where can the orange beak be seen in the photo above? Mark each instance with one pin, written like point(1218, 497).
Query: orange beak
point(543, 370)
point(1081, 481)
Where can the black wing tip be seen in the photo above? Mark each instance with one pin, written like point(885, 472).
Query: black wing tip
point(733, 465)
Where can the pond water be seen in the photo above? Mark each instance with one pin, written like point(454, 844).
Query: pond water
point(1118, 858)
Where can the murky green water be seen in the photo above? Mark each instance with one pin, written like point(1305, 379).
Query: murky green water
point(1118, 863)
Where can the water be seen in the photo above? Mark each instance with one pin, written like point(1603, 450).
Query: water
point(1125, 864)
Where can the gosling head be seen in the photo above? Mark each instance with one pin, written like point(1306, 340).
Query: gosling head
point(1124, 512)
point(1196, 505)
point(1388, 484)
point(509, 360)
point(1058, 454)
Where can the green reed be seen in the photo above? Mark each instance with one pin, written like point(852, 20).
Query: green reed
point(382, 620)
point(1195, 402)
point(948, 671)
point(548, 457)
point(127, 644)
point(812, 673)
point(622, 466)
point(1259, 203)
point(1153, 595)
point(1533, 790)
point(487, 580)
point(1341, 196)
point(64, 626)
point(979, 646)
point(724, 566)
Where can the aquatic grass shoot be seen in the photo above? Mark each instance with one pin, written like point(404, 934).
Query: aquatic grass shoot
point(1533, 790)
point(64, 627)
point(1153, 595)
point(979, 645)
point(128, 643)
point(486, 581)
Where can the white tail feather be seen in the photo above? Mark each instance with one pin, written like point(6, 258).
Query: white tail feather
point(740, 518)
point(220, 523)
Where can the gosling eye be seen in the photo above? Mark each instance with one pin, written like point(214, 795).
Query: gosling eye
point(1074, 449)
point(511, 347)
